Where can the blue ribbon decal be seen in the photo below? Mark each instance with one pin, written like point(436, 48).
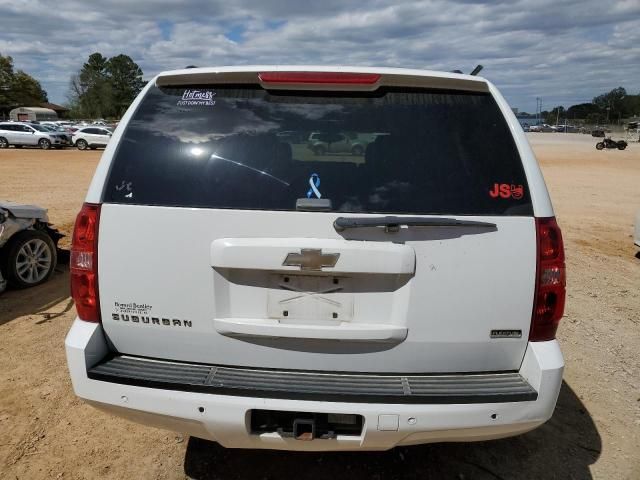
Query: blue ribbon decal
point(314, 181)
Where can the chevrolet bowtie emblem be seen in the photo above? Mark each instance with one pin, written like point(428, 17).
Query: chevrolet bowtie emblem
point(311, 259)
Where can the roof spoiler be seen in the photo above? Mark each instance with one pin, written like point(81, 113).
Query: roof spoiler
point(386, 78)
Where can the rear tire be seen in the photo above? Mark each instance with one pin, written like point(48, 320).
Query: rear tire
point(622, 146)
point(30, 260)
point(599, 146)
point(4, 143)
point(44, 144)
point(82, 144)
point(319, 150)
point(357, 150)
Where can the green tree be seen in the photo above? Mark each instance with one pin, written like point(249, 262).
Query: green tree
point(27, 90)
point(595, 118)
point(125, 77)
point(104, 87)
point(631, 105)
point(611, 103)
point(95, 99)
point(558, 114)
point(608, 99)
point(583, 110)
point(18, 88)
point(6, 79)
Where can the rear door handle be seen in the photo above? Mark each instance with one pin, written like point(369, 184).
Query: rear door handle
point(353, 256)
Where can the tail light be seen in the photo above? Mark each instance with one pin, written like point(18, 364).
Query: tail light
point(336, 78)
point(548, 306)
point(84, 263)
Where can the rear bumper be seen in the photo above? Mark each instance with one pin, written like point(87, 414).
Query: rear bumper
point(225, 418)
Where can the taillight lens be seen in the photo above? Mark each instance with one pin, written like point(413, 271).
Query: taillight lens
point(323, 78)
point(548, 306)
point(83, 263)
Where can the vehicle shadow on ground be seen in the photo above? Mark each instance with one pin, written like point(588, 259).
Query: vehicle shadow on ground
point(564, 447)
point(38, 301)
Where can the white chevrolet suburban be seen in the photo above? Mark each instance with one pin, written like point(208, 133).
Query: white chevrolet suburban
point(232, 285)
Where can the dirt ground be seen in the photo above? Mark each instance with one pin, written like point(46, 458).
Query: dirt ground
point(45, 432)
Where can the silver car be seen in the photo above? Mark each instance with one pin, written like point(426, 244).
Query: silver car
point(60, 131)
point(28, 245)
point(22, 134)
point(323, 143)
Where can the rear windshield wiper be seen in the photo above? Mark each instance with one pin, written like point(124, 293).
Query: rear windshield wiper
point(393, 224)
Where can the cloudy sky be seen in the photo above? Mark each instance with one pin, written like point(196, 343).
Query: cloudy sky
point(564, 51)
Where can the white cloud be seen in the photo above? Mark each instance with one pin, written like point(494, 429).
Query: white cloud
point(566, 52)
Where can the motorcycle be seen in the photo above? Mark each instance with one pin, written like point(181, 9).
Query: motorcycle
point(608, 143)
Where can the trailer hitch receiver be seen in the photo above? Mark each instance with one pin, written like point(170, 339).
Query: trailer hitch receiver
point(304, 429)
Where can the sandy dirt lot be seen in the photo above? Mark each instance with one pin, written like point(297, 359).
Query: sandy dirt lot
point(45, 432)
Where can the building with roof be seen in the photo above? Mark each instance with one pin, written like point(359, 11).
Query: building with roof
point(59, 109)
point(32, 114)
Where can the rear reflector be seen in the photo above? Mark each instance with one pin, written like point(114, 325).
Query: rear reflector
point(83, 263)
point(548, 306)
point(322, 78)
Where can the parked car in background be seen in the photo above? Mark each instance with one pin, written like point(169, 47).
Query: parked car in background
point(323, 143)
point(22, 134)
point(60, 131)
point(28, 245)
point(252, 294)
point(91, 137)
point(542, 127)
point(564, 128)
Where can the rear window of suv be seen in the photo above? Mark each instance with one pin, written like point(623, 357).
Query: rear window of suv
point(389, 151)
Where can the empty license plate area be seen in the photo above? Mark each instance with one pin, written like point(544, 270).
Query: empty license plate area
point(324, 299)
point(305, 425)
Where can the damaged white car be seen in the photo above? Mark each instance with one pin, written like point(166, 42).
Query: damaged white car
point(28, 245)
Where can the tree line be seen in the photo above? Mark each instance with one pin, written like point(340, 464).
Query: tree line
point(610, 107)
point(102, 88)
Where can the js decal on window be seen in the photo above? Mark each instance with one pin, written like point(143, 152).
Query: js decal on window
point(506, 190)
